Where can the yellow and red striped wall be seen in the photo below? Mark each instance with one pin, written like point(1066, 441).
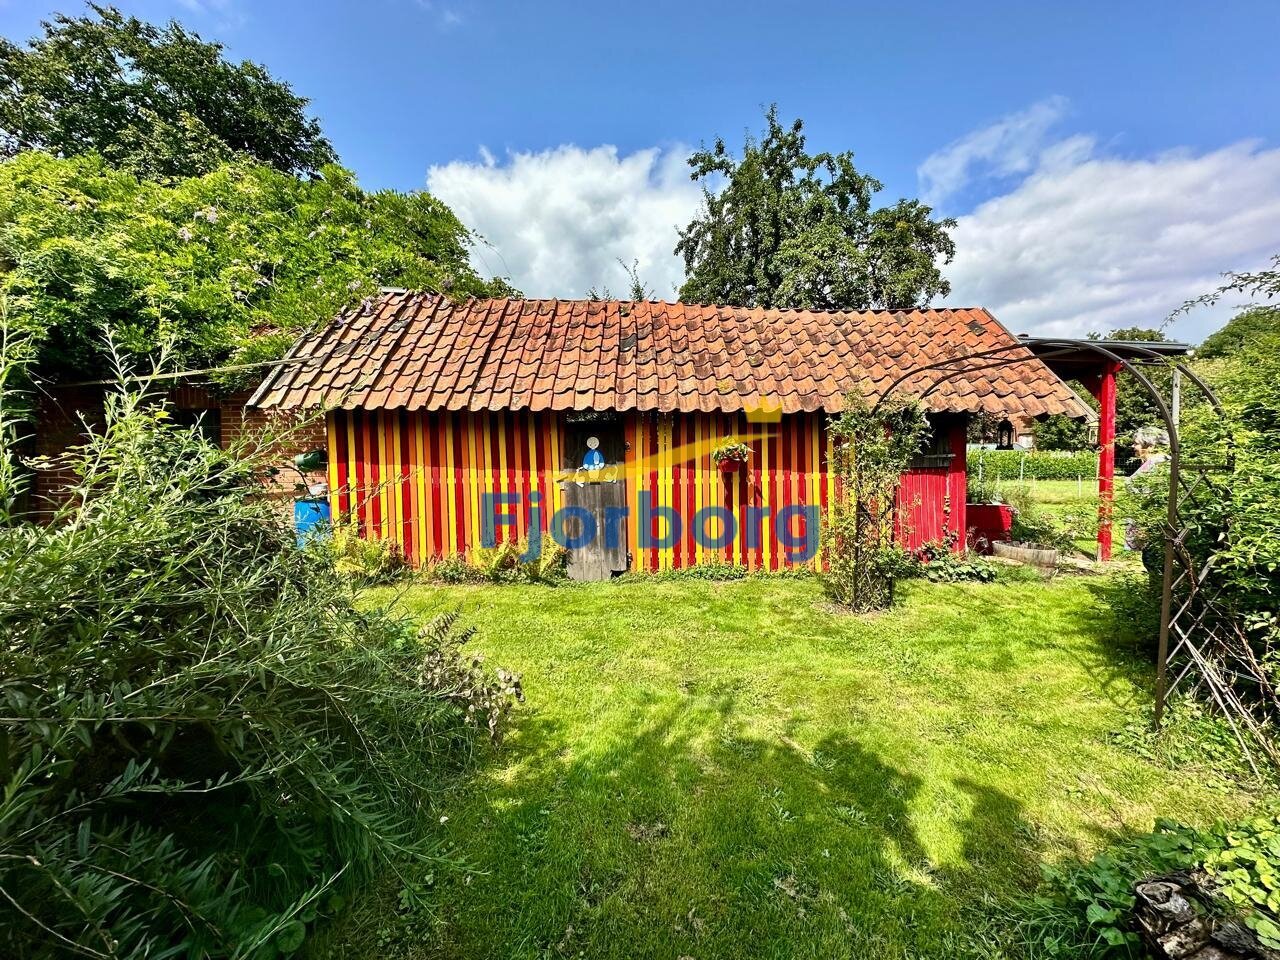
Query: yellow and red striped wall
point(419, 479)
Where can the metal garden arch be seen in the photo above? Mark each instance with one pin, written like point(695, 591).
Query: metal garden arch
point(1209, 650)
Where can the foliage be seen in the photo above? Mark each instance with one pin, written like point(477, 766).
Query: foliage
point(1233, 517)
point(938, 563)
point(1193, 736)
point(366, 559)
point(872, 447)
point(1085, 911)
point(1264, 284)
point(636, 288)
point(203, 739)
point(1058, 432)
point(982, 488)
point(229, 264)
point(502, 564)
point(1002, 465)
point(1245, 329)
point(14, 414)
point(1035, 525)
point(784, 228)
point(734, 450)
point(157, 102)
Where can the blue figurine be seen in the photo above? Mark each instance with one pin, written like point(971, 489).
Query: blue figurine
point(594, 459)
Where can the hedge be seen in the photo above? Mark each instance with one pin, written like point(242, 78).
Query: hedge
point(1033, 464)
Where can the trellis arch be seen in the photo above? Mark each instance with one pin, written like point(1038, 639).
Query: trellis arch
point(1200, 642)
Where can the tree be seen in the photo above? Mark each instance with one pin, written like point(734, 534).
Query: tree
point(228, 265)
point(791, 229)
point(1057, 432)
point(159, 102)
point(1249, 327)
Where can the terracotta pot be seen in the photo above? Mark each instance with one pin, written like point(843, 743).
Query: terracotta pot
point(730, 466)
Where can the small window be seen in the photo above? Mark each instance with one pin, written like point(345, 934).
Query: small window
point(936, 450)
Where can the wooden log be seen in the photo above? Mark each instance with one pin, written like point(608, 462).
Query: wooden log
point(1172, 915)
point(1036, 556)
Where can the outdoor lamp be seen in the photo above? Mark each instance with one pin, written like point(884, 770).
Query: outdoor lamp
point(1004, 435)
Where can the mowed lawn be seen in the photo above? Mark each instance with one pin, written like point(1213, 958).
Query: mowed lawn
point(729, 770)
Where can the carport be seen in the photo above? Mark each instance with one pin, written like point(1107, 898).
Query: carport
point(1095, 366)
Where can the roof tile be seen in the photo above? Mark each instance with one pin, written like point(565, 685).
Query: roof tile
point(423, 351)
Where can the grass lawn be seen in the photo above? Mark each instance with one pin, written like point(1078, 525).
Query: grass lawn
point(727, 770)
point(1064, 492)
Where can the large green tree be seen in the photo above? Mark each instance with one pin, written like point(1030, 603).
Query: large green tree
point(781, 227)
point(1252, 326)
point(158, 101)
point(226, 266)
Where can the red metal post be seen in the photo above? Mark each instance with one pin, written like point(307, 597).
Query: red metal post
point(1106, 456)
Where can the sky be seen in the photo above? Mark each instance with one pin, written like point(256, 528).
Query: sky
point(1104, 161)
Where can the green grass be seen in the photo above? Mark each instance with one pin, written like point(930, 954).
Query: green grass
point(1064, 492)
point(732, 770)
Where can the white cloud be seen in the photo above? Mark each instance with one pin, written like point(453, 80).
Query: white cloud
point(1090, 242)
point(560, 219)
point(1011, 145)
point(1083, 241)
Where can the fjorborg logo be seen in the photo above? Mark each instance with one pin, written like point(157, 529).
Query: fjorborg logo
point(712, 527)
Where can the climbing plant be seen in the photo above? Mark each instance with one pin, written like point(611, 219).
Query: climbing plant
point(871, 449)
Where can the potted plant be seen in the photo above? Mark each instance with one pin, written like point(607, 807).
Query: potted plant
point(731, 455)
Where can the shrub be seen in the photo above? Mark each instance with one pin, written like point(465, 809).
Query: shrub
point(872, 447)
point(367, 560)
point(502, 564)
point(203, 737)
point(1033, 524)
point(938, 563)
point(998, 465)
point(982, 489)
point(1084, 911)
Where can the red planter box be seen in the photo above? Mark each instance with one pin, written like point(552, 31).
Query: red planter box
point(989, 522)
point(730, 466)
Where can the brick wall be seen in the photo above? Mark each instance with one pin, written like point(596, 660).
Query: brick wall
point(64, 415)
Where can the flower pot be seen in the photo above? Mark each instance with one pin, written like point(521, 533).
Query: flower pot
point(730, 466)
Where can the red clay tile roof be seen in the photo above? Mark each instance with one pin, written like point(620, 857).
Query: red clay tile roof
point(423, 351)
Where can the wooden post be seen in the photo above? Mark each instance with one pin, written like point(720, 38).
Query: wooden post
point(1106, 457)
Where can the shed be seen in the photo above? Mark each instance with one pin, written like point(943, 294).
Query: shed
point(457, 424)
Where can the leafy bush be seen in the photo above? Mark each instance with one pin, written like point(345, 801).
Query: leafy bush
point(982, 489)
point(211, 261)
point(937, 563)
point(997, 465)
point(1033, 524)
point(203, 738)
point(733, 450)
point(502, 564)
point(367, 560)
point(1084, 911)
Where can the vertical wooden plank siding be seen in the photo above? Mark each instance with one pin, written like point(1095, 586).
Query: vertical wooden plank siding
point(419, 480)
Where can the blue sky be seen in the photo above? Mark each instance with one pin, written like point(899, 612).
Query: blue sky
point(1106, 160)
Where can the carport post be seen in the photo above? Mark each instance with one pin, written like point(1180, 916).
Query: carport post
point(1106, 455)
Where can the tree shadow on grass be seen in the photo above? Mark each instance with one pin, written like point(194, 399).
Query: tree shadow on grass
point(670, 832)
